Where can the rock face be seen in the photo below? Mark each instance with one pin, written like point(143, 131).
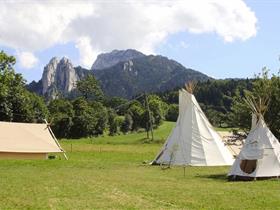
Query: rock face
point(59, 77)
point(145, 74)
point(123, 73)
point(106, 60)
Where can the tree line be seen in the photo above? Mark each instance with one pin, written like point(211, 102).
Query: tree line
point(91, 113)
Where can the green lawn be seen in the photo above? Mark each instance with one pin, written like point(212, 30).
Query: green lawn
point(108, 172)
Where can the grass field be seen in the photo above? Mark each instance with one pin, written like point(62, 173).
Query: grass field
point(108, 172)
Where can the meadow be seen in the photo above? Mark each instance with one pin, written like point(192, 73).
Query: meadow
point(112, 172)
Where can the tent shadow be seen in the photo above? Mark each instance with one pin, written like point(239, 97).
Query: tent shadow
point(222, 177)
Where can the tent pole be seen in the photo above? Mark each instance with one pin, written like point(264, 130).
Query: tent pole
point(55, 139)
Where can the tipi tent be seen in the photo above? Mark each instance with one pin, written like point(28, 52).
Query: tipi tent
point(27, 141)
point(260, 154)
point(193, 141)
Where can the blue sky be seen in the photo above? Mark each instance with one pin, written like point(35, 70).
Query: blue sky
point(205, 48)
point(210, 54)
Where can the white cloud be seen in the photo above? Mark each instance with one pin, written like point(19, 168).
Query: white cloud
point(97, 26)
point(26, 59)
point(87, 54)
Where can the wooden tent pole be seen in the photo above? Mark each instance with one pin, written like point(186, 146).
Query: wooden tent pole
point(55, 139)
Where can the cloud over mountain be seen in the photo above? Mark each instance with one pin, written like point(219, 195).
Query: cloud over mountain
point(98, 26)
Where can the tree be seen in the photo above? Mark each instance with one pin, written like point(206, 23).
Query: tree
point(6, 62)
point(61, 117)
point(118, 104)
point(90, 118)
point(16, 103)
point(84, 121)
point(273, 113)
point(126, 126)
point(101, 114)
point(90, 88)
point(112, 122)
point(136, 111)
point(147, 121)
point(172, 113)
point(158, 109)
point(262, 87)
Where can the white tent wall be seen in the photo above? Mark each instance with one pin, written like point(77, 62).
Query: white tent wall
point(263, 147)
point(193, 141)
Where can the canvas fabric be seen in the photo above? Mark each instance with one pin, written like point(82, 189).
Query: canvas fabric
point(193, 141)
point(26, 138)
point(260, 145)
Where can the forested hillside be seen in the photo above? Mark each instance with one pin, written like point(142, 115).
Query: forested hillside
point(216, 98)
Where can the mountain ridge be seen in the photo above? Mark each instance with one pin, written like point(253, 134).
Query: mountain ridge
point(123, 77)
point(106, 60)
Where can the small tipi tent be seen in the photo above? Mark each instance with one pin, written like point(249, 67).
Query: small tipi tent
point(260, 154)
point(193, 141)
point(27, 141)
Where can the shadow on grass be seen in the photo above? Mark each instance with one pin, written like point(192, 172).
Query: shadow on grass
point(222, 177)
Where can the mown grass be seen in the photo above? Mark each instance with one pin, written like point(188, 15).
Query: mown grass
point(108, 172)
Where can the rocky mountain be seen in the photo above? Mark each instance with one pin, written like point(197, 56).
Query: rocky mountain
point(145, 74)
point(106, 60)
point(127, 74)
point(59, 78)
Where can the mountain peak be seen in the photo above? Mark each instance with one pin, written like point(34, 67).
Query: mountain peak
point(106, 60)
point(59, 76)
point(53, 61)
point(65, 60)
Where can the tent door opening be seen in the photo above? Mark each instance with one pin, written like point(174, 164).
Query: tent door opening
point(248, 166)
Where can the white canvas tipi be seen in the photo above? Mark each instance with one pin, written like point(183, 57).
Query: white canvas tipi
point(193, 141)
point(259, 156)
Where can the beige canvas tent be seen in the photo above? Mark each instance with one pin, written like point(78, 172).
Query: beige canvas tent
point(27, 141)
point(193, 141)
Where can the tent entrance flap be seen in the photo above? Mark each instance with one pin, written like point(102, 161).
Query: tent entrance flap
point(248, 166)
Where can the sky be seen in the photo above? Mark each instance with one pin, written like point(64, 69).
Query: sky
point(223, 39)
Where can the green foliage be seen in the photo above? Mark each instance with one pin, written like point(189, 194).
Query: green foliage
point(112, 122)
point(136, 111)
point(172, 113)
point(6, 61)
point(61, 114)
point(78, 118)
point(158, 109)
point(90, 88)
point(100, 113)
point(273, 114)
point(89, 119)
point(262, 87)
point(216, 98)
point(16, 103)
point(126, 125)
point(118, 104)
